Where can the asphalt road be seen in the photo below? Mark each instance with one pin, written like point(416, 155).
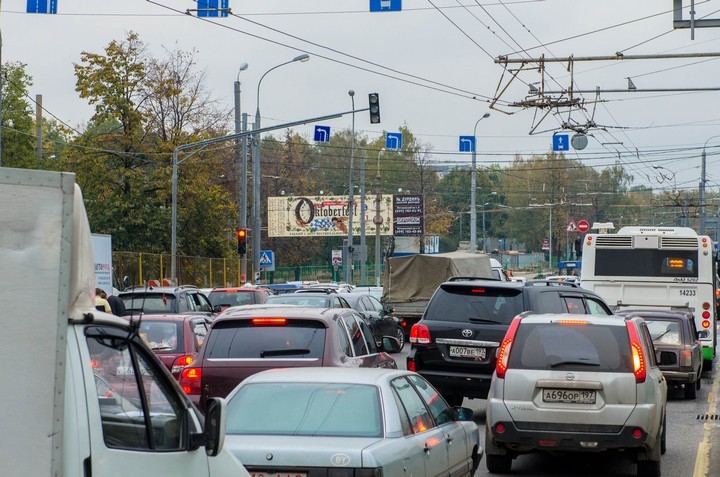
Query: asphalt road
point(688, 436)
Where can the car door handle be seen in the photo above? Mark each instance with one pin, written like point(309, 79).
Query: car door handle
point(427, 448)
point(449, 438)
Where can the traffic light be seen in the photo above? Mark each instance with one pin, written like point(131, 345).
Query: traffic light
point(242, 241)
point(374, 100)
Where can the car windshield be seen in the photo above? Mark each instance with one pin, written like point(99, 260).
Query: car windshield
point(149, 302)
point(582, 347)
point(231, 298)
point(306, 409)
point(243, 339)
point(161, 336)
point(664, 331)
point(299, 299)
point(469, 303)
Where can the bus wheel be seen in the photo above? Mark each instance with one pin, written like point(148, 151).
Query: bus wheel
point(707, 365)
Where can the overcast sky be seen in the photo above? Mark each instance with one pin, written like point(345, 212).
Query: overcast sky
point(449, 46)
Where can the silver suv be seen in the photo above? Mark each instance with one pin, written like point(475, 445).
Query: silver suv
point(576, 383)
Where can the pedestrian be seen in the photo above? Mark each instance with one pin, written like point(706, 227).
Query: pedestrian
point(100, 302)
point(116, 305)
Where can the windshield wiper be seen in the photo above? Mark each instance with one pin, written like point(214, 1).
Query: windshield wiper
point(283, 352)
point(483, 320)
point(159, 348)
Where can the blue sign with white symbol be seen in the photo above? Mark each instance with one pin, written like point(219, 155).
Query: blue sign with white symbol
point(561, 142)
point(393, 140)
point(322, 133)
point(213, 8)
point(41, 6)
point(267, 260)
point(467, 143)
point(385, 5)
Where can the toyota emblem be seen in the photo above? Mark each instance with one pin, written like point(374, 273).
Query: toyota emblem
point(467, 333)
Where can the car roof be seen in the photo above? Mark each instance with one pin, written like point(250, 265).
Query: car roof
point(657, 314)
point(170, 317)
point(372, 376)
point(544, 318)
point(469, 281)
point(292, 312)
point(234, 290)
point(169, 290)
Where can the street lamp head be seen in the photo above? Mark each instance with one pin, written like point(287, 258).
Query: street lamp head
point(351, 93)
point(304, 57)
point(243, 66)
point(486, 115)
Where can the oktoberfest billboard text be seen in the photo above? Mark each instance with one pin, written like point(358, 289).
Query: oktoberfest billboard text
point(322, 216)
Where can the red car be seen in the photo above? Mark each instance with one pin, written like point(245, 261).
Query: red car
point(222, 298)
point(251, 339)
point(175, 339)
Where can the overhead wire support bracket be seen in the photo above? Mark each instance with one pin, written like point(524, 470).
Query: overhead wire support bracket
point(680, 23)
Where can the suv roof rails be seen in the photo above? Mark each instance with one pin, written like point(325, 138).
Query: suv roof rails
point(550, 283)
point(465, 279)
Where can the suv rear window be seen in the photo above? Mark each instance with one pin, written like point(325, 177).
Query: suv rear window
point(231, 299)
point(243, 339)
point(150, 303)
point(481, 303)
point(571, 347)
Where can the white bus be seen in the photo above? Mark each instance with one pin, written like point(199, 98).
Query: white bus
point(663, 267)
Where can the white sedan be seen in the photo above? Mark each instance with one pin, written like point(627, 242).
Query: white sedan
point(359, 422)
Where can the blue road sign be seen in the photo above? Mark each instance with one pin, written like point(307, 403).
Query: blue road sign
point(393, 140)
point(385, 5)
point(267, 258)
point(467, 143)
point(322, 133)
point(561, 142)
point(41, 6)
point(213, 8)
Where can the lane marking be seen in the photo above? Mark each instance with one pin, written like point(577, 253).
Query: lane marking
point(702, 460)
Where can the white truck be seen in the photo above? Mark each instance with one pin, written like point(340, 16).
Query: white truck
point(82, 394)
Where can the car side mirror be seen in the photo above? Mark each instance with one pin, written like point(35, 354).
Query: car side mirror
point(390, 344)
point(463, 414)
point(126, 281)
point(217, 308)
point(215, 425)
point(703, 334)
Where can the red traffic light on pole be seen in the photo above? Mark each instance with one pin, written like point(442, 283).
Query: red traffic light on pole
point(374, 103)
point(242, 241)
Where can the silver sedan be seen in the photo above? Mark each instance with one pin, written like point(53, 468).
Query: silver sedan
point(337, 422)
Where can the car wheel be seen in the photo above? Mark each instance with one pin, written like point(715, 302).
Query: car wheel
point(663, 438)
point(651, 466)
point(499, 464)
point(400, 335)
point(690, 390)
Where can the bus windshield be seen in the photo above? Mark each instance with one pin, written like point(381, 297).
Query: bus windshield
point(646, 263)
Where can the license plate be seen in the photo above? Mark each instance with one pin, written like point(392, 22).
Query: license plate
point(570, 396)
point(278, 474)
point(468, 352)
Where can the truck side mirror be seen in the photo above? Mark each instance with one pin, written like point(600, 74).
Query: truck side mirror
point(215, 425)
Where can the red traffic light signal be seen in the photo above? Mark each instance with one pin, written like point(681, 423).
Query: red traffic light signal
point(242, 241)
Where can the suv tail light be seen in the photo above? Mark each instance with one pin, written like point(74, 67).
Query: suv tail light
point(504, 350)
point(685, 357)
point(420, 334)
point(180, 363)
point(638, 356)
point(191, 380)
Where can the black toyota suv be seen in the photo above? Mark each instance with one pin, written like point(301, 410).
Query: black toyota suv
point(454, 344)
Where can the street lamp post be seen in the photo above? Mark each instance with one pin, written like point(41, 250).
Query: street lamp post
point(703, 180)
point(256, 166)
point(483, 216)
point(473, 192)
point(241, 164)
point(348, 269)
point(378, 220)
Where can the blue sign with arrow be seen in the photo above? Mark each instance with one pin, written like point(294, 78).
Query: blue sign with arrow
point(393, 140)
point(322, 134)
point(385, 5)
point(467, 143)
point(41, 6)
point(561, 142)
point(213, 8)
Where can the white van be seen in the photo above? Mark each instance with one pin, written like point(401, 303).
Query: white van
point(498, 272)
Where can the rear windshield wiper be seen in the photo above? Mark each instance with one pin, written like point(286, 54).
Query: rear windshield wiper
point(483, 320)
point(283, 352)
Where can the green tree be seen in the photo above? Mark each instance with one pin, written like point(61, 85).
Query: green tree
point(18, 134)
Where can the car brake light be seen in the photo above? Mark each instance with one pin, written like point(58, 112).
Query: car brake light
point(269, 321)
point(685, 357)
point(500, 428)
point(420, 334)
point(191, 380)
point(572, 322)
point(504, 352)
point(478, 290)
point(410, 365)
point(637, 433)
point(638, 357)
point(181, 362)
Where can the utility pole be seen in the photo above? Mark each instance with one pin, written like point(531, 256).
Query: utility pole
point(378, 220)
point(38, 128)
point(351, 205)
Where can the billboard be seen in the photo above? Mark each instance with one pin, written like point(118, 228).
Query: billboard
point(325, 215)
point(102, 251)
point(409, 215)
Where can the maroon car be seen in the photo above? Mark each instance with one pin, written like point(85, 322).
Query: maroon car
point(175, 339)
point(246, 341)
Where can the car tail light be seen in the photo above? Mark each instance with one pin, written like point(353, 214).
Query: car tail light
point(420, 334)
point(181, 362)
point(410, 365)
point(191, 380)
point(685, 357)
point(500, 428)
point(269, 321)
point(504, 352)
point(638, 433)
point(638, 356)
point(706, 324)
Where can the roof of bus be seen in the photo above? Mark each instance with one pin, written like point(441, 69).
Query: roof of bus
point(650, 230)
